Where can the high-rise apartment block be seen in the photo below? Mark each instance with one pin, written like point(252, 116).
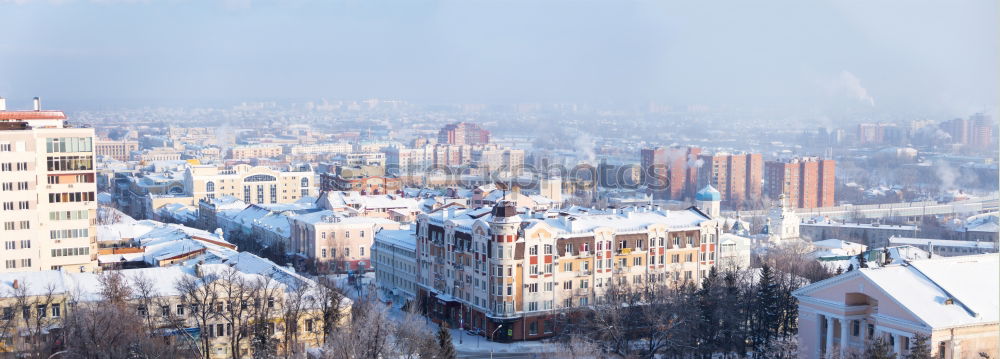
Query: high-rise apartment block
point(671, 173)
point(463, 133)
point(976, 131)
point(738, 177)
point(47, 192)
point(807, 182)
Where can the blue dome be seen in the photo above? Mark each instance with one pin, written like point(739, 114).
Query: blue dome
point(708, 193)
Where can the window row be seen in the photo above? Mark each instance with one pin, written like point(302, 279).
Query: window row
point(68, 233)
point(71, 197)
point(13, 166)
point(70, 163)
point(69, 144)
point(69, 215)
point(9, 186)
point(67, 252)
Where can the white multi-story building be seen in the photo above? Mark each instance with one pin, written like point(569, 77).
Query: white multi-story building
point(47, 192)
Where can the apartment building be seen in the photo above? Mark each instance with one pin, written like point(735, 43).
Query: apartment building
point(671, 173)
point(806, 182)
point(334, 242)
point(498, 268)
point(119, 150)
point(395, 258)
point(255, 151)
point(738, 177)
point(463, 133)
point(178, 311)
point(47, 192)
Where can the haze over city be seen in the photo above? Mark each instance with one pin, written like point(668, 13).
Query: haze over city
point(499, 179)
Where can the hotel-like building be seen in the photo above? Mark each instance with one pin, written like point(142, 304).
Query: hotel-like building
point(501, 267)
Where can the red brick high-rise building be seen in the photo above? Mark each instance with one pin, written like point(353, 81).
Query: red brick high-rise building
point(806, 182)
point(738, 177)
point(463, 133)
point(671, 173)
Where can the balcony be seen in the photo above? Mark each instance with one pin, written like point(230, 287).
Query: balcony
point(581, 292)
point(624, 250)
point(583, 273)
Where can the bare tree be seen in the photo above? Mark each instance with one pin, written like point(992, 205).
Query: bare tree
point(199, 293)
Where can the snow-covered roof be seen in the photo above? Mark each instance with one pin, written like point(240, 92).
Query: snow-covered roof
point(403, 238)
point(973, 282)
point(942, 242)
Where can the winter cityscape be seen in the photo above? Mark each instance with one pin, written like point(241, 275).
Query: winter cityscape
point(499, 179)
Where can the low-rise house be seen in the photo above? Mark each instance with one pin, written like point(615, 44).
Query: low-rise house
point(952, 300)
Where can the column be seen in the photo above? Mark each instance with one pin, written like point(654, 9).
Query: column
point(863, 332)
point(829, 336)
point(844, 334)
point(897, 342)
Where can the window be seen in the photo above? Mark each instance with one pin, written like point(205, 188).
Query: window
point(568, 285)
point(548, 249)
point(361, 249)
point(69, 163)
point(180, 309)
point(259, 178)
point(533, 327)
point(533, 250)
point(637, 261)
point(323, 251)
point(568, 267)
point(246, 194)
point(41, 310)
point(68, 144)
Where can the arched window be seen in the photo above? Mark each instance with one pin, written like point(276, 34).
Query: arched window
point(305, 181)
point(259, 178)
point(210, 186)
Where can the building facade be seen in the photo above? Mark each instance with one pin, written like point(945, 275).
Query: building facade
point(670, 172)
point(48, 193)
point(119, 150)
point(463, 133)
point(252, 185)
point(953, 301)
point(807, 182)
point(495, 268)
point(335, 243)
point(738, 177)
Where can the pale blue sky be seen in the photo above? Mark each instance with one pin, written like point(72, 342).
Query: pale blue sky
point(941, 55)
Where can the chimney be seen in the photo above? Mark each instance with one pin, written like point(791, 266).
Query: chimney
point(38, 104)
point(3, 104)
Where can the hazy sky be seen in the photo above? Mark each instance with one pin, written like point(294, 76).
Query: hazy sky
point(939, 55)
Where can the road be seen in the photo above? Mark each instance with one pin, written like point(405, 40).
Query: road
point(480, 355)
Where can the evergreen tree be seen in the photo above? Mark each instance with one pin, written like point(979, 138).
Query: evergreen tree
point(879, 349)
point(888, 256)
point(850, 267)
point(447, 349)
point(708, 320)
point(862, 261)
point(767, 308)
point(920, 348)
point(840, 271)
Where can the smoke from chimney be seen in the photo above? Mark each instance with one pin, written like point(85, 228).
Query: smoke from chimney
point(38, 104)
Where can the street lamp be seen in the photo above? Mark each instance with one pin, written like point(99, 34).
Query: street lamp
point(493, 339)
